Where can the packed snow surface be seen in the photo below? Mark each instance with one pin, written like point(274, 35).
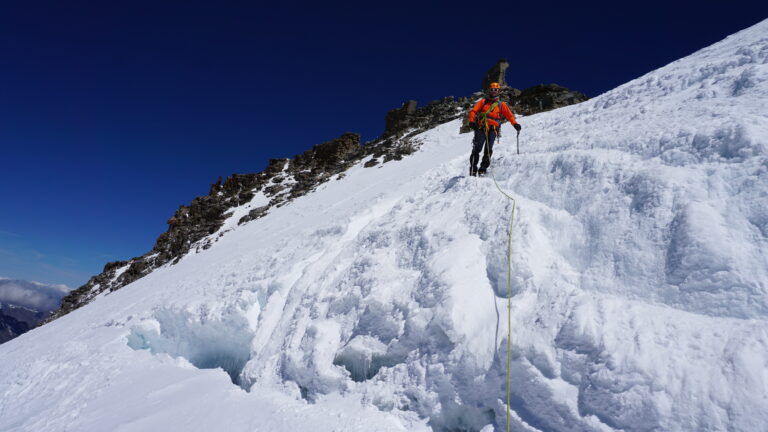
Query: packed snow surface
point(378, 302)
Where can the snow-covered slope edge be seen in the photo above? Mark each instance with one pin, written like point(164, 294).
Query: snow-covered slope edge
point(377, 302)
point(251, 196)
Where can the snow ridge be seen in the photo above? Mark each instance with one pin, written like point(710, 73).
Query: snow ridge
point(640, 286)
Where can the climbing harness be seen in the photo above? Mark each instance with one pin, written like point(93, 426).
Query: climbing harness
point(509, 270)
point(483, 116)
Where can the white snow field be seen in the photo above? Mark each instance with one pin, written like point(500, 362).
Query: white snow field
point(378, 302)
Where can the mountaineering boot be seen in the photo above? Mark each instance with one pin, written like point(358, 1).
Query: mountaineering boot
point(481, 173)
point(472, 171)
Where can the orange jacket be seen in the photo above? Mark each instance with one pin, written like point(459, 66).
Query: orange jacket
point(494, 117)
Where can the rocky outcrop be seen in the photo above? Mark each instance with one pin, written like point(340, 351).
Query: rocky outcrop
point(544, 97)
point(197, 226)
point(412, 120)
point(192, 227)
point(497, 73)
point(399, 119)
point(323, 161)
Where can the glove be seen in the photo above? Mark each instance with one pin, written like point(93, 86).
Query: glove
point(473, 125)
point(517, 127)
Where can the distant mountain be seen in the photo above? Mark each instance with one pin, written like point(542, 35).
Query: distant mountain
point(10, 327)
point(23, 304)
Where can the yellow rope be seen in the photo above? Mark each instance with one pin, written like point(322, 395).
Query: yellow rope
point(509, 278)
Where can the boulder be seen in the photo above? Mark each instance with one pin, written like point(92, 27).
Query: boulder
point(497, 73)
point(398, 119)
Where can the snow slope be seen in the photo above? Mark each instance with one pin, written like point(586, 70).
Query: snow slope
point(640, 287)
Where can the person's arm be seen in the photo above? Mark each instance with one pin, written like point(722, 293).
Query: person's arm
point(510, 116)
point(508, 113)
point(473, 112)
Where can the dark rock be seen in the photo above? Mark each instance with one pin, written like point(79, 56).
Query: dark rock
point(398, 119)
point(334, 153)
point(545, 97)
point(136, 270)
point(497, 73)
point(254, 214)
point(275, 166)
point(110, 266)
point(418, 120)
point(275, 189)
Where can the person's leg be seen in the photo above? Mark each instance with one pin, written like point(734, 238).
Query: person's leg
point(477, 146)
point(488, 151)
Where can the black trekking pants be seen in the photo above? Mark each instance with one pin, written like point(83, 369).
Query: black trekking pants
point(478, 144)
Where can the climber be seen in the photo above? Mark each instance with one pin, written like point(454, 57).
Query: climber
point(485, 119)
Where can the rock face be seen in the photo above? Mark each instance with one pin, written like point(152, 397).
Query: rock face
point(543, 97)
point(193, 226)
point(410, 119)
point(322, 161)
point(196, 226)
point(399, 118)
point(497, 73)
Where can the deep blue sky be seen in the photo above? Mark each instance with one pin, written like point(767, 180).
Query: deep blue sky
point(112, 114)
